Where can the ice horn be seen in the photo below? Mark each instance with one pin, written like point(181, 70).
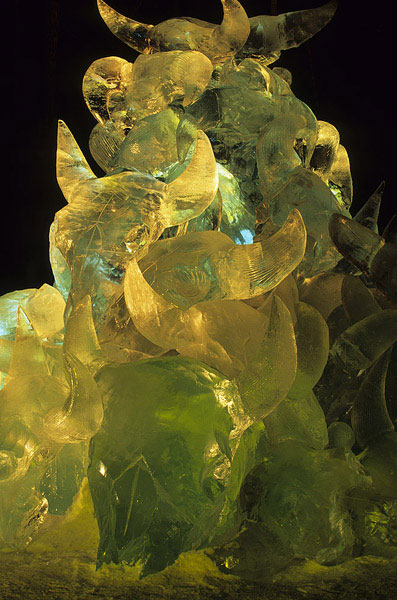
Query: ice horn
point(265, 264)
point(194, 190)
point(390, 231)
point(368, 215)
point(354, 241)
point(132, 33)
point(369, 416)
point(271, 34)
point(81, 416)
point(299, 26)
point(72, 167)
point(235, 27)
point(159, 321)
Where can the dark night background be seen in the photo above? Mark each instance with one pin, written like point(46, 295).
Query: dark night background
point(345, 74)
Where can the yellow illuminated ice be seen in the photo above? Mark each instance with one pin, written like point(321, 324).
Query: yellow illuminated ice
point(269, 35)
point(110, 219)
point(181, 360)
point(266, 380)
point(104, 89)
point(209, 266)
point(218, 42)
point(224, 334)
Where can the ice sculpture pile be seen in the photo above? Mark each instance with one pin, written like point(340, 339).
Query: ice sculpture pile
point(216, 353)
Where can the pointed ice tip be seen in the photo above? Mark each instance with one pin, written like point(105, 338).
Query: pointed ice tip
point(333, 5)
point(64, 132)
point(133, 33)
point(71, 165)
point(103, 8)
point(329, 9)
point(369, 416)
point(368, 215)
point(390, 231)
point(381, 187)
point(62, 126)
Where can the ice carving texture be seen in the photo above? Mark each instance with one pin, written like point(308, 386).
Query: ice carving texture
point(166, 476)
point(217, 353)
point(218, 42)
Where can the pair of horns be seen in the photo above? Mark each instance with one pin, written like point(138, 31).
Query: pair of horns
point(187, 196)
point(266, 34)
point(215, 41)
point(165, 323)
point(237, 271)
point(224, 334)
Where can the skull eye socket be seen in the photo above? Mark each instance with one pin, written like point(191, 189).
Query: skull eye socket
point(137, 237)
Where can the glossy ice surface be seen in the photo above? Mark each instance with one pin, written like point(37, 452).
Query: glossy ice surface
point(213, 371)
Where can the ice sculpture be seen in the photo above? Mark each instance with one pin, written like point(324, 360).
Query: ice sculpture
point(216, 353)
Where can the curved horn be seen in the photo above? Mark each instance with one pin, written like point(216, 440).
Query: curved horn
point(369, 213)
point(194, 190)
point(201, 332)
point(154, 317)
point(312, 341)
point(251, 269)
point(216, 42)
point(299, 26)
point(390, 231)
point(341, 176)
point(361, 344)
point(72, 167)
point(134, 34)
point(234, 30)
point(369, 416)
point(81, 416)
point(271, 34)
point(354, 241)
point(266, 380)
point(237, 271)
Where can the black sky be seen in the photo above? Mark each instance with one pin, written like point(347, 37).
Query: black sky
point(345, 74)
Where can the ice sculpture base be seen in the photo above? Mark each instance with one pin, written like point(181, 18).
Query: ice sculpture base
point(60, 564)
